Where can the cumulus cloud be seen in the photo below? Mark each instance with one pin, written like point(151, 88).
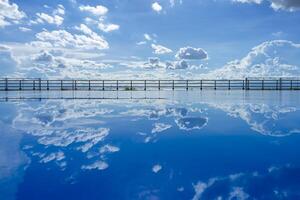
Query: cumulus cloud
point(156, 7)
point(56, 17)
point(8, 63)
point(160, 127)
point(191, 123)
point(43, 17)
point(9, 13)
point(98, 10)
point(159, 49)
point(62, 38)
point(99, 165)
point(287, 5)
point(108, 27)
point(269, 59)
point(191, 53)
point(243, 186)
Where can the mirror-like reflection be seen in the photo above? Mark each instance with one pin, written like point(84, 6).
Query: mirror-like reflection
point(180, 145)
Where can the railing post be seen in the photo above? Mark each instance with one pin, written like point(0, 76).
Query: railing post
point(200, 84)
point(229, 85)
point(145, 85)
point(246, 84)
point(263, 84)
point(117, 85)
point(215, 85)
point(173, 84)
point(187, 84)
point(47, 84)
point(6, 84)
point(61, 84)
point(40, 84)
point(89, 85)
point(243, 85)
point(131, 88)
point(291, 84)
point(103, 85)
point(158, 84)
point(280, 83)
point(20, 84)
point(33, 87)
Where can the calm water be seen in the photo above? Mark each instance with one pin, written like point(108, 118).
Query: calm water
point(153, 145)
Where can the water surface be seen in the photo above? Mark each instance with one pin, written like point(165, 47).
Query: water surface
point(150, 145)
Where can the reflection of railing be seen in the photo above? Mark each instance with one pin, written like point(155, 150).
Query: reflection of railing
point(131, 85)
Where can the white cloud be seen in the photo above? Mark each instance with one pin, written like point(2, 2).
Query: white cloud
point(156, 168)
point(238, 193)
point(159, 49)
point(269, 59)
point(156, 7)
point(287, 5)
point(9, 13)
point(160, 127)
point(43, 17)
point(141, 43)
point(191, 123)
point(24, 29)
point(44, 56)
point(60, 10)
point(108, 27)
point(109, 149)
point(58, 156)
point(83, 28)
point(98, 10)
point(147, 37)
point(8, 63)
point(191, 53)
point(99, 165)
point(62, 38)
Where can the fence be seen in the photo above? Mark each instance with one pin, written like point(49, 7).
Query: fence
point(131, 85)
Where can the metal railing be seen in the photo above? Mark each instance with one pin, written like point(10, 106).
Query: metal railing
point(8, 84)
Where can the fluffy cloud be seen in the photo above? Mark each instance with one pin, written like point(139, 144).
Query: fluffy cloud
point(156, 7)
point(181, 64)
point(9, 13)
point(44, 56)
point(43, 17)
point(98, 10)
point(269, 59)
point(191, 53)
point(159, 49)
point(60, 10)
point(160, 127)
point(288, 5)
point(108, 27)
point(147, 37)
point(7, 62)
point(62, 38)
point(244, 186)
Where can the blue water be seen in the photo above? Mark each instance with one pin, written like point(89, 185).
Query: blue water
point(151, 145)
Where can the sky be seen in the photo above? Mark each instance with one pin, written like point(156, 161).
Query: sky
point(153, 39)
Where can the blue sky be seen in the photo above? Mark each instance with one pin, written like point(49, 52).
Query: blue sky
point(116, 38)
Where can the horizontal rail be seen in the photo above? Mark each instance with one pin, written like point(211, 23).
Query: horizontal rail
point(7, 84)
